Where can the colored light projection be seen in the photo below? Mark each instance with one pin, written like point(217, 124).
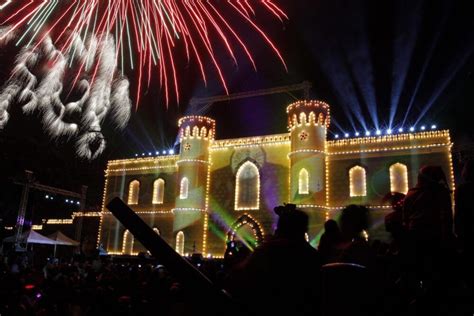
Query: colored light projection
point(278, 169)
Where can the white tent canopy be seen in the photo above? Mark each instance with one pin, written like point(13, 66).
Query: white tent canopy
point(31, 237)
point(62, 239)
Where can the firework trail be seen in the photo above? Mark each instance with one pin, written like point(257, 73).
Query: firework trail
point(38, 82)
point(83, 47)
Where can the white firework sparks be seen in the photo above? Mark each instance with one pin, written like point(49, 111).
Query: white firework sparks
point(103, 93)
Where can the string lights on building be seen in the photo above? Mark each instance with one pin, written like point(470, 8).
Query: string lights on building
point(358, 181)
point(303, 182)
point(388, 131)
point(317, 166)
point(247, 219)
point(56, 221)
point(398, 178)
point(249, 199)
point(158, 191)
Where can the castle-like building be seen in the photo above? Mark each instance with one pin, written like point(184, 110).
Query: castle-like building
point(216, 190)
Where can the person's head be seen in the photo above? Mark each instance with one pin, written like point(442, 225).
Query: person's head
point(468, 171)
point(331, 227)
point(354, 219)
point(431, 176)
point(292, 223)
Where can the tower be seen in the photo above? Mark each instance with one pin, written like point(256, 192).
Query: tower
point(190, 214)
point(308, 122)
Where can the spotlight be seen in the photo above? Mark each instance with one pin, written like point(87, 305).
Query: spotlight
point(136, 155)
point(433, 126)
point(378, 132)
point(412, 129)
point(157, 153)
point(67, 201)
point(357, 134)
point(423, 127)
point(336, 136)
point(143, 154)
point(149, 154)
point(400, 130)
point(47, 196)
point(367, 133)
point(389, 131)
point(164, 152)
point(52, 198)
point(78, 203)
point(171, 152)
point(346, 135)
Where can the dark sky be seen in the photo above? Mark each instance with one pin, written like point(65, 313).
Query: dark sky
point(370, 60)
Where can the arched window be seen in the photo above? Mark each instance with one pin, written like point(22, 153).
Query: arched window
point(303, 182)
point(158, 191)
point(399, 178)
point(180, 243)
point(247, 189)
point(127, 243)
point(157, 231)
point(133, 192)
point(183, 188)
point(357, 179)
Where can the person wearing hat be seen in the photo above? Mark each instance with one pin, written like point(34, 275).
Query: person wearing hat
point(282, 276)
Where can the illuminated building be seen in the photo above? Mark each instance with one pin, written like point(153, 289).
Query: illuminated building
point(217, 190)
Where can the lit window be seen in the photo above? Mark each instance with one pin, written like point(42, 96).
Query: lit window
point(158, 191)
point(180, 243)
point(399, 178)
point(183, 189)
point(357, 179)
point(247, 189)
point(127, 243)
point(133, 192)
point(156, 230)
point(303, 182)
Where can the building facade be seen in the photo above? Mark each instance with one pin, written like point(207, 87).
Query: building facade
point(214, 190)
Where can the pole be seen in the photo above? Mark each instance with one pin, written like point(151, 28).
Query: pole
point(201, 287)
point(80, 219)
point(23, 204)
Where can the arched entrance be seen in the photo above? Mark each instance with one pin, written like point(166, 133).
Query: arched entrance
point(247, 230)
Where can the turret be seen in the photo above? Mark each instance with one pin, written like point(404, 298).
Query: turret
point(195, 135)
point(308, 122)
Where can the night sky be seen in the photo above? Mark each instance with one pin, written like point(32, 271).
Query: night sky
point(374, 62)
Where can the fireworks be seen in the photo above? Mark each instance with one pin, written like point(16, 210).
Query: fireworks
point(74, 53)
point(38, 82)
point(148, 33)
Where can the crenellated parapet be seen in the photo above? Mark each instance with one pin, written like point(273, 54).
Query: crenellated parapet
point(199, 127)
point(307, 113)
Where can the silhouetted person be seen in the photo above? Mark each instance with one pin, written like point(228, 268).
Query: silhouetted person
point(329, 241)
point(282, 276)
point(427, 213)
point(354, 246)
point(464, 217)
point(236, 252)
point(427, 209)
point(394, 220)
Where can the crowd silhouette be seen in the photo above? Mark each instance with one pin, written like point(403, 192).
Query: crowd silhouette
point(427, 268)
